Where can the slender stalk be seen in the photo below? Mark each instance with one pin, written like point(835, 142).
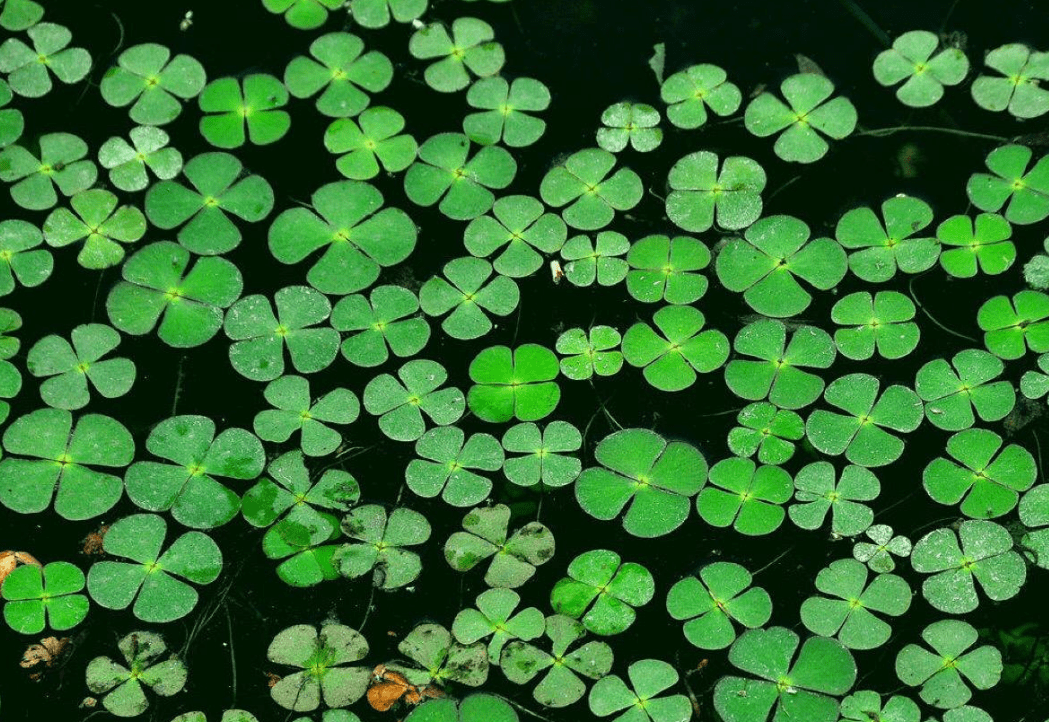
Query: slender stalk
point(884, 132)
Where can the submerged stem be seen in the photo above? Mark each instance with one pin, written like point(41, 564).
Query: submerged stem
point(883, 132)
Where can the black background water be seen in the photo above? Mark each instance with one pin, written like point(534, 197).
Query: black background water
point(591, 54)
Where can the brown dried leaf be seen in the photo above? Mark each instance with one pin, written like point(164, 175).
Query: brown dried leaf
point(93, 541)
point(384, 695)
point(43, 655)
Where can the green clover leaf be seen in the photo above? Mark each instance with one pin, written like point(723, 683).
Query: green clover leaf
point(290, 494)
point(185, 483)
point(598, 260)
point(983, 242)
point(563, 664)
point(153, 580)
point(672, 360)
point(632, 124)
point(60, 162)
point(253, 102)
point(708, 604)
point(588, 354)
point(159, 285)
point(517, 383)
point(990, 479)
point(860, 433)
point(765, 264)
point(883, 322)
point(777, 374)
point(952, 391)
point(847, 612)
point(664, 269)
point(260, 336)
point(1012, 326)
point(359, 236)
point(648, 677)
point(745, 496)
point(803, 685)
point(878, 555)
point(583, 181)
point(468, 294)
point(494, 617)
point(321, 655)
point(445, 172)
point(514, 557)
point(943, 674)
point(370, 140)
point(127, 162)
point(689, 93)
point(68, 368)
point(48, 597)
point(655, 477)
point(518, 226)
point(62, 462)
point(20, 258)
point(218, 190)
point(766, 431)
point(295, 411)
point(502, 116)
point(818, 492)
point(886, 247)
point(809, 111)
point(442, 658)
point(122, 684)
point(345, 72)
point(99, 223)
point(1018, 91)
point(602, 591)
point(30, 69)
point(699, 193)
point(985, 554)
point(1025, 191)
point(544, 461)
point(448, 465)
point(399, 403)
point(911, 59)
point(469, 49)
point(378, 541)
point(386, 321)
point(149, 77)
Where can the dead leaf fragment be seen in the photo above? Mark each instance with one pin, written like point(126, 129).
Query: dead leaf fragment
point(46, 653)
point(93, 541)
point(390, 686)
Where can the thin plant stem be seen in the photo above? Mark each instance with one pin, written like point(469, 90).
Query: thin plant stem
point(884, 132)
point(232, 657)
point(914, 297)
point(853, 8)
